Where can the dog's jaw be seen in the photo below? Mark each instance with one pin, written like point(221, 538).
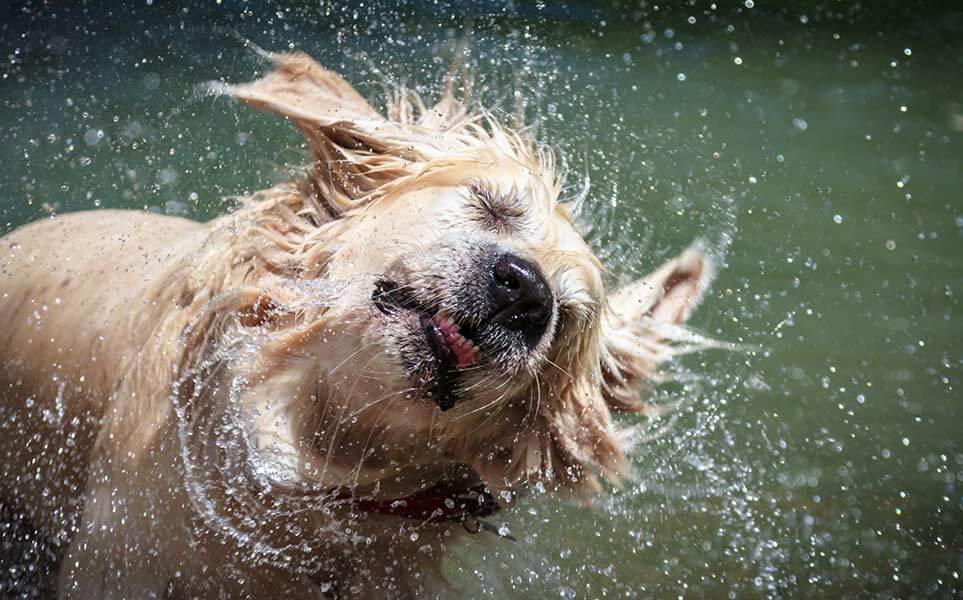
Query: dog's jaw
point(431, 347)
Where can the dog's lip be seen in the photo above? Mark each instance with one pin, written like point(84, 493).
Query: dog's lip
point(389, 295)
point(447, 342)
point(450, 345)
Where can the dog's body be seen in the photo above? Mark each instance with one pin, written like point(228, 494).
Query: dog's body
point(315, 394)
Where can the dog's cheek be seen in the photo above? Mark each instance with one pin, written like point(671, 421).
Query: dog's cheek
point(400, 341)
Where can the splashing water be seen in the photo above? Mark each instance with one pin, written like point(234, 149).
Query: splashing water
point(821, 458)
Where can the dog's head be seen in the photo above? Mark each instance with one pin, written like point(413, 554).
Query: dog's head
point(472, 277)
point(434, 304)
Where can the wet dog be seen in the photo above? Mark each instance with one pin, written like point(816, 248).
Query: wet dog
point(314, 395)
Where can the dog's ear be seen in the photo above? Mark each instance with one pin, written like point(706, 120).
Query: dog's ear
point(643, 320)
point(355, 149)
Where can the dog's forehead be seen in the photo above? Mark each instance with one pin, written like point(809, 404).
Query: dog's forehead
point(441, 189)
point(512, 177)
point(551, 232)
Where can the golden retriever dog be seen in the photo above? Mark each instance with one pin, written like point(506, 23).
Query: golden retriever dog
point(318, 394)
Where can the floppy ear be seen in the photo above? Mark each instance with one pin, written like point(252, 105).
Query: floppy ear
point(642, 322)
point(355, 149)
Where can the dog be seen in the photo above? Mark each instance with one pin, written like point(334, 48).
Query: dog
point(317, 394)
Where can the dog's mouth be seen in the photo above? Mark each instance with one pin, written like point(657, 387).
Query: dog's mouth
point(450, 343)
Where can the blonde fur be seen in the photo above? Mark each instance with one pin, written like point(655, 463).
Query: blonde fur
point(258, 381)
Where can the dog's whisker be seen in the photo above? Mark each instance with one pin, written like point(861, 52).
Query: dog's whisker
point(361, 349)
point(489, 417)
point(538, 397)
point(563, 371)
point(488, 380)
point(490, 404)
point(373, 403)
point(481, 383)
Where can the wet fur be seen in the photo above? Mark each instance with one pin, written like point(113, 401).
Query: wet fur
point(238, 376)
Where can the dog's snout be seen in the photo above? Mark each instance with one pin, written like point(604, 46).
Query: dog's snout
point(521, 297)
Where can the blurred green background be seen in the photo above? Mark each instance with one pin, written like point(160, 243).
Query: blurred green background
point(817, 146)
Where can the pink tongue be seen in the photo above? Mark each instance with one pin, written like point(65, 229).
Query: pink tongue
point(465, 355)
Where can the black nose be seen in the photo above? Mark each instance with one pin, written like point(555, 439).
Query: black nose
point(521, 298)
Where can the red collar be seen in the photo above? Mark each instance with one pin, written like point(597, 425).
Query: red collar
point(437, 504)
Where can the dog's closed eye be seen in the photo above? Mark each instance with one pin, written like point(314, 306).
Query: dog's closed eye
point(496, 211)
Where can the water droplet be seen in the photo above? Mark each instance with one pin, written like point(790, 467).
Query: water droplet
point(93, 136)
point(152, 81)
point(167, 176)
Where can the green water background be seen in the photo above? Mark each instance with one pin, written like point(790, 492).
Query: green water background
point(817, 146)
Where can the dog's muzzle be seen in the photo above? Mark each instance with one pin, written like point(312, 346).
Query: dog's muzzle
point(498, 314)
